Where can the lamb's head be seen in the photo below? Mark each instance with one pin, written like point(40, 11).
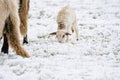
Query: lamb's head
point(61, 35)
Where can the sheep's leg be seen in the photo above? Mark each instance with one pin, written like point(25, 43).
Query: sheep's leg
point(5, 46)
point(25, 40)
point(13, 35)
point(23, 14)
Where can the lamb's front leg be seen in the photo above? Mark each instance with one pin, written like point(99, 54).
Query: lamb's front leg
point(76, 32)
point(5, 46)
point(67, 38)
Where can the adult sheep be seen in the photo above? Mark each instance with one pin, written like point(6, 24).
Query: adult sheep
point(9, 26)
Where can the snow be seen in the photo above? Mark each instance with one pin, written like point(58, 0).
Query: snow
point(96, 56)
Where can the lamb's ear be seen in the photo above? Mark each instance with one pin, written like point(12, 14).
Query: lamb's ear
point(53, 33)
point(67, 33)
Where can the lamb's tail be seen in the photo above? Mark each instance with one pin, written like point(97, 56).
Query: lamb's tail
point(12, 33)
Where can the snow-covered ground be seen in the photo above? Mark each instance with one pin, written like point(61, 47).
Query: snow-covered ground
point(96, 56)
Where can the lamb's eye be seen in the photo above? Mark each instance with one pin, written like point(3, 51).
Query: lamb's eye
point(63, 36)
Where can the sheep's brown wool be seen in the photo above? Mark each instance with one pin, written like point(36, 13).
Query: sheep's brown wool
point(9, 25)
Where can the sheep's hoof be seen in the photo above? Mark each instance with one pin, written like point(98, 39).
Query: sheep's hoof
point(5, 46)
point(4, 50)
point(25, 40)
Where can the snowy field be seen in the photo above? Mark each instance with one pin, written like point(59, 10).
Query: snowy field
point(96, 56)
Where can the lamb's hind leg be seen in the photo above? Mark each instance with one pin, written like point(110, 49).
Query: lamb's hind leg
point(74, 28)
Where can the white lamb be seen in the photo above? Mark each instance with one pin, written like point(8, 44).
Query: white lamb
point(66, 21)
